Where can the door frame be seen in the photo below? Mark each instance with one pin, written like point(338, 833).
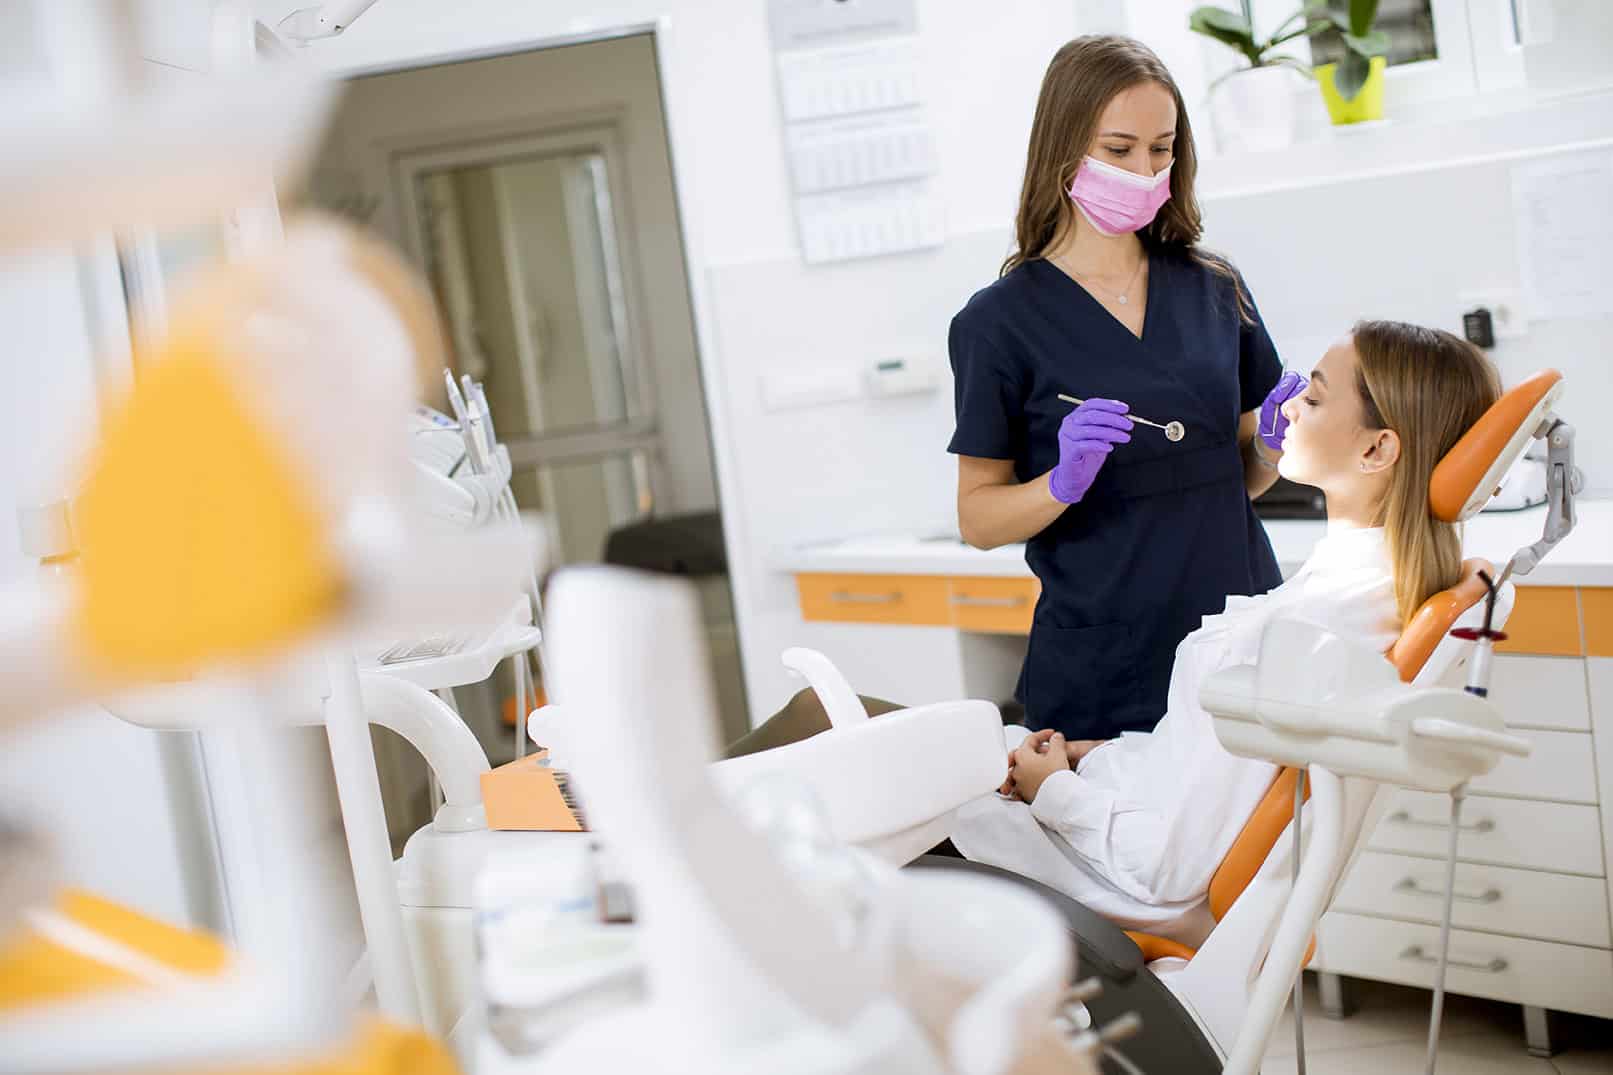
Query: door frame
point(677, 63)
point(538, 136)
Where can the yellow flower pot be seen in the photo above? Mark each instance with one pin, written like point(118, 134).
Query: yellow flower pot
point(1368, 104)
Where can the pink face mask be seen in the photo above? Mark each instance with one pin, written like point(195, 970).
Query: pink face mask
point(1116, 201)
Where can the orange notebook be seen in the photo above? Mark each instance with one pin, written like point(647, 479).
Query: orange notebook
point(527, 795)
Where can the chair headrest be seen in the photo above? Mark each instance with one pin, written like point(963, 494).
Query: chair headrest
point(1468, 476)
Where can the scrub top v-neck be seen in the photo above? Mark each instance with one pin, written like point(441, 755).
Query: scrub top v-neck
point(1166, 531)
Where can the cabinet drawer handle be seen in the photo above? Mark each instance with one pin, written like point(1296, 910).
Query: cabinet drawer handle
point(1404, 818)
point(1410, 885)
point(1416, 954)
point(842, 597)
point(963, 600)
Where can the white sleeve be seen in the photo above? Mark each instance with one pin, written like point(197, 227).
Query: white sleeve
point(1083, 813)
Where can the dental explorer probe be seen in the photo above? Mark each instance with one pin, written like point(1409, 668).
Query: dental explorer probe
point(1174, 431)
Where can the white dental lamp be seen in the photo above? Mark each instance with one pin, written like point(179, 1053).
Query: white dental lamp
point(322, 20)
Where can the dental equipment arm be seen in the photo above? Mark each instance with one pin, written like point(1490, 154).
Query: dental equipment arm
point(450, 749)
point(1564, 481)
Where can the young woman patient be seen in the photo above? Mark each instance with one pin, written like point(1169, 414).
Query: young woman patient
point(1135, 827)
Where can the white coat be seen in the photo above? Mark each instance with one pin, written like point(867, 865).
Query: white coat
point(1138, 830)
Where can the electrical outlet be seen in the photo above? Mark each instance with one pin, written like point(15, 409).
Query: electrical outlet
point(1509, 318)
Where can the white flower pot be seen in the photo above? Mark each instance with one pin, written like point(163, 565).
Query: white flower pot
point(1255, 110)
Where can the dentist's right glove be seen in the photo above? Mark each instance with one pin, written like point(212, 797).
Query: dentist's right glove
point(1086, 437)
point(1273, 423)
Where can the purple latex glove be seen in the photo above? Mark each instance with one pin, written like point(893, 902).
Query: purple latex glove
point(1273, 423)
point(1086, 437)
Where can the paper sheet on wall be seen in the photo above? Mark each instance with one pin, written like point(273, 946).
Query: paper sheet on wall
point(868, 221)
point(846, 79)
point(862, 154)
point(856, 151)
point(1563, 212)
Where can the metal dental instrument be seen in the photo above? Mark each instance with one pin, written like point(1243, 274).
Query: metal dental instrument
point(1174, 431)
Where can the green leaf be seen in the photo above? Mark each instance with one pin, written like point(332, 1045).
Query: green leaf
point(1340, 20)
point(1351, 74)
point(1374, 44)
point(1227, 27)
point(1308, 30)
point(1298, 65)
point(1363, 13)
point(1221, 24)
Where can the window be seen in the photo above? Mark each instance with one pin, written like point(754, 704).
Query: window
point(1409, 24)
point(1441, 50)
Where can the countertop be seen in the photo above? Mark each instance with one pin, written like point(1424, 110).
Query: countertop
point(1584, 558)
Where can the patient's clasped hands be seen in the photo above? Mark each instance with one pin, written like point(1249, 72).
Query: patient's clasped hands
point(1038, 757)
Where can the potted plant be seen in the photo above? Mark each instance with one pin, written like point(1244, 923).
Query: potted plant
point(1252, 107)
point(1353, 87)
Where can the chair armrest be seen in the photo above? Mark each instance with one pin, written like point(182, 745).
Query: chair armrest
point(1104, 948)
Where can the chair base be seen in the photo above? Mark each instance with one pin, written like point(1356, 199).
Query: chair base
point(1171, 1040)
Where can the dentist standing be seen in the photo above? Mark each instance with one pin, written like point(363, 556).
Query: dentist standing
point(1108, 298)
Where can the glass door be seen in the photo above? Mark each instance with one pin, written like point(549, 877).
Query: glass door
point(521, 246)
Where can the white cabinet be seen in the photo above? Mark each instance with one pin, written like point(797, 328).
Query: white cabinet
point(1531, 914)
point(1495, 899)
point(1536, 973)
point(1502, 832)
point(1541, 692)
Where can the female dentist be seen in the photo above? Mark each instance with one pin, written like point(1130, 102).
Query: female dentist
point(1135, 537)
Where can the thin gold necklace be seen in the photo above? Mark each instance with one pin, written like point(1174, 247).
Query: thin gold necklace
point(1122, 296)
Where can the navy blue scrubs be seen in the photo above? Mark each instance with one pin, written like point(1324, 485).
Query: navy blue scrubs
point(1167, 531)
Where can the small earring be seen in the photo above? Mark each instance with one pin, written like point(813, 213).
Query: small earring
point(1363, 465)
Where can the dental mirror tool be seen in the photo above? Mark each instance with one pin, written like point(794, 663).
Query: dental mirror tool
point(1174, 431)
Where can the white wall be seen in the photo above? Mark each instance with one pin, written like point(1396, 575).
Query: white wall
point(1318, 257)
point(1415, 221)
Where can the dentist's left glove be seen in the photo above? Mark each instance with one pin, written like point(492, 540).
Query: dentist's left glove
point(1273, 423)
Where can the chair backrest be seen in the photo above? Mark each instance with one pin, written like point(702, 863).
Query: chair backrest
point(1435, 618)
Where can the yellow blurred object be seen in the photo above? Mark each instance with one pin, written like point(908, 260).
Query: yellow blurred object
point(38, 968)
point(198, 539)
point(35, 969)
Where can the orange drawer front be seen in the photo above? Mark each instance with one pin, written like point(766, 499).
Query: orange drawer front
point(909, 599)
point(994, 605)
point(1544, 620)
point(1597, 606)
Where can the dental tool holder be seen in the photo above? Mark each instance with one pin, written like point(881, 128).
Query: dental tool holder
point(466, 498)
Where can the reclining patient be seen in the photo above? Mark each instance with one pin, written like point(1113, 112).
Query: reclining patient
point(1135, 827)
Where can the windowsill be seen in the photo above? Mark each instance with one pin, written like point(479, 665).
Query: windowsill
point(1447, 134)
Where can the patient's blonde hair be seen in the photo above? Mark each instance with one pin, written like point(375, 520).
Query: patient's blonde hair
point(1429, 387)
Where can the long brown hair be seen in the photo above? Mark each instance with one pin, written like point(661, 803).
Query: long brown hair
point(1084, 76)
point(1429, 387)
